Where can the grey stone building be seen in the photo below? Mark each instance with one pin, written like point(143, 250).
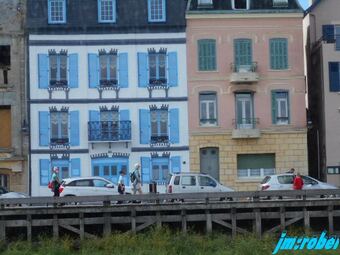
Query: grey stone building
point(13, 119)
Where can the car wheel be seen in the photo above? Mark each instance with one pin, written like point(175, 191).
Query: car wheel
point(71, 203)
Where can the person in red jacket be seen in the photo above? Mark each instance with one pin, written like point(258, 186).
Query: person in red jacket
point(298, 182)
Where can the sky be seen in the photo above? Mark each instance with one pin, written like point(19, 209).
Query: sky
point(304, 3)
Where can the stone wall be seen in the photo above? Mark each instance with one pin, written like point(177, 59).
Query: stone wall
point(290, 150)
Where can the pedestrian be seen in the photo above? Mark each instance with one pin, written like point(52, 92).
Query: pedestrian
point(298, 182)
point(121, 185)
point(55, 182)
point(291, 171)
point(136, 180)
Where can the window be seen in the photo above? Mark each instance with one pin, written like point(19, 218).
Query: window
point(285, 179)
point(58, 69)
point(207, 55)
point(308, 181)
point(107, 11)
point(109, 124)
point(337, 38)
point(59, 127)
point(159, 125)
point(278, 53)
point(280, 3)
point(333, 170)
point(244, 111)
point(4, 183)
point(334, 76)
point(255, 165)
point(109, 168)
point(157, 67)
point(207, 181)
point(243, 55)
point(108, 68)
point(240, 4)
point(204, 2)
point(5, 127)
point(156, 10)
point(188, 180)
point(64, 168)
point(208, 109)
point(56, 11)
point(160, 169)
point(280, 107)
point(84, 183)
point(5, 63)
point(176, 181)
point(100, 183)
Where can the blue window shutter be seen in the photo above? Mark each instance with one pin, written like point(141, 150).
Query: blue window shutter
point(43, 71)
point(175, 164)
point(75, 167)
point(274, 108)
point(93, 70)
point(44, 171)
point(124, 114)
point(334, 77)
point(145, 169)
point(74, 128)
point(94, 116)
point(144, 126)
point(143, 70)
point(174, 125)
point(123, 70)
point(73, 70)
point(164, 10)
point(328, 33)
point(44, 131)
point(172, 69)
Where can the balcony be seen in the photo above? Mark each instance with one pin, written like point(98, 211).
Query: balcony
point(159, 139)
point(244, 73)
point(246, 128)
point(109, 131)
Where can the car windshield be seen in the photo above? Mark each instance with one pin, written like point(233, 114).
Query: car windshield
point(265, 180)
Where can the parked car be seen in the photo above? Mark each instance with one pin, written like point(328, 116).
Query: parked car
point(194, 182)
point(89, 186)
point(285, 182)
point(4, 193)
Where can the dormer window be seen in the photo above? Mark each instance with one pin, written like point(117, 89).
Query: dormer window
point(280, 3)
point(240, 4)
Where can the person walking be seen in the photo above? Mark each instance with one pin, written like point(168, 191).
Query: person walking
point(121, 185)
point(136, 179)
point(55, 182)
point(298, 182)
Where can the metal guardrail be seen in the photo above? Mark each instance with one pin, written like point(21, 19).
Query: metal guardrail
point(158, 198)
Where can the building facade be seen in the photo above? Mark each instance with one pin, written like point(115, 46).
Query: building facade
point(246, 89)
point(322, 28)
point(13, 119)
point(108, 89)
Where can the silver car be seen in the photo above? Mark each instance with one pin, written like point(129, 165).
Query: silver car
point(4, 193)
point(285, 182)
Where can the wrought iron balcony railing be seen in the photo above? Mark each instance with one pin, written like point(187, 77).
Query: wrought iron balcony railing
point(245, 123)
point(249, 68)
point(109, 130)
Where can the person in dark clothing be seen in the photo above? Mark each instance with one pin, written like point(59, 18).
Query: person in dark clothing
point(55, 182)
point(121, 185)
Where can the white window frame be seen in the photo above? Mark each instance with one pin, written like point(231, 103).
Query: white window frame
point(278, 105)
point(262, 173)
point(50, 20)
point(233, 5)
point(207, 106)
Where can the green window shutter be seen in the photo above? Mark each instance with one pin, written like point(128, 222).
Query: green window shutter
point(274, 108)
point(207, 55)
point(255, 161)
point(243, 52)
point(278, 53)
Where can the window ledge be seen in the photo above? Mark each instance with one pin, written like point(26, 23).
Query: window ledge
point(279, 70)
point(208, 71)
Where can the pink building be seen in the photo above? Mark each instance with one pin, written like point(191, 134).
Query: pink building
point(247, 112)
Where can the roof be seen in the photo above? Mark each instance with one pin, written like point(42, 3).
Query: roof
point(255, 6)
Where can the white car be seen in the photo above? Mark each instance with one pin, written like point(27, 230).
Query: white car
point(88, 186)
point(4, 193)
point(285, 182)
point(194, 182)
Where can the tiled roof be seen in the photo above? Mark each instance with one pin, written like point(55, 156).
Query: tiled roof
point(254, 6)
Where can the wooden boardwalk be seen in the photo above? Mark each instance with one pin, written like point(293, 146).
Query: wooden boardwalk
point(248, 212)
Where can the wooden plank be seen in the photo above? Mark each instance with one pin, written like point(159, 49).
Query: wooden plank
point(2, 229)
point(282, 218)
point(107, 224)
point(233, 222)
point(133, 220)
point(55, 227)
point(184, 221)
point(81, 226)
point(331, 219)
point(208, 222)
point(29, 227)
point(75, 230)
point(228, 225)
point(158, 219)
point(258, 223)
point(306, 218)
point(145, 225)
point(288, 223)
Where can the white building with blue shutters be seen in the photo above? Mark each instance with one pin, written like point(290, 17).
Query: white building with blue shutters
point(107, 90)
